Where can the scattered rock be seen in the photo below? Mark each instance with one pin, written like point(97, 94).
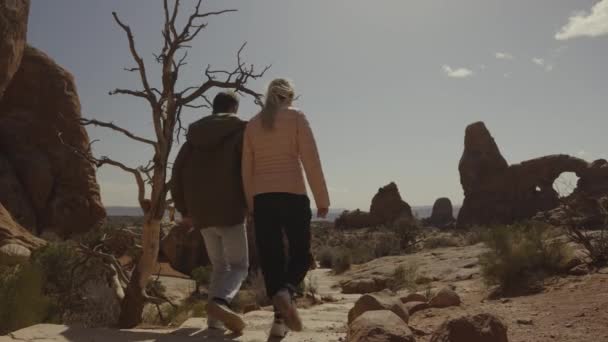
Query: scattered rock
point(413, 297)
point(445, 298)
point(14, 254)
point(376, 302)
point(363, 286)
point(379, 326)
point(525, 321)
point(413, 307)
point(579, 270)
point(478, 328)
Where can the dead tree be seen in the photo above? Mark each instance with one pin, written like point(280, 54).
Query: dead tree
point(165, 104)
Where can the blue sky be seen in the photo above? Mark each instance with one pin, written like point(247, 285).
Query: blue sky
point(389, 86)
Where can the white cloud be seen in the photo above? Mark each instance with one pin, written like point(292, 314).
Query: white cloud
point(542, 63)
point(456, 73)
point(593, 24)
point(504, 55)
point(581, 153)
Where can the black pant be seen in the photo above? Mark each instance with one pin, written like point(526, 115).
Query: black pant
point(275, 213)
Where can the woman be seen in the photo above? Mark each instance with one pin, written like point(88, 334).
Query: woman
point(277, 141)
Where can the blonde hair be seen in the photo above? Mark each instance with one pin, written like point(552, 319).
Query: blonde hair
point(280, 94)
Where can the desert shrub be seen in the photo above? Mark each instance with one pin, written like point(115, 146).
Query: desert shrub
point(387, 245)
point(440, 241)
point(520, 257)
point(404, 277)
point(192, 307)
point(326, 257)
point(201, 276)
point(342, 261)
point(22, 301)
point(58, 261)
point(594, 243)
point(474, 235)
point(408, 232)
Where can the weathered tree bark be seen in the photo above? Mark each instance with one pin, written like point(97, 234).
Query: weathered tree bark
point(166, 105)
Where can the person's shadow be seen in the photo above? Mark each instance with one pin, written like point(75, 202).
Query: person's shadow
point(77, 334)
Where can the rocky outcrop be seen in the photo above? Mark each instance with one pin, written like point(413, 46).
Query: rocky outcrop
point(387, 206)
point(442, 215)
point(39, 131)
point(16, 242)
point(379, 326)
point(13, 32)
point(378, 302)
point(496, 193)
point(184, 248)
point(478, 328)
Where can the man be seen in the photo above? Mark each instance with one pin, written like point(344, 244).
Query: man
point(208, 192)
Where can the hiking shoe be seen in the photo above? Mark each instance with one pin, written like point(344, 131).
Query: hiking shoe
point(221, 312)
point(283, 302)
point(279, 329)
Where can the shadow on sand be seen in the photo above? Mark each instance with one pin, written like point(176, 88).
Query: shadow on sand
point(77, 334)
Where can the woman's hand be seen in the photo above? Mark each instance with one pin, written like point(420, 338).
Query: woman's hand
point(322, 212)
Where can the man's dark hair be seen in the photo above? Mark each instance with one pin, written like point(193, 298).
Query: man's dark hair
point(225, 101)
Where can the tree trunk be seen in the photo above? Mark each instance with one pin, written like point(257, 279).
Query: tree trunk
point(133, 304)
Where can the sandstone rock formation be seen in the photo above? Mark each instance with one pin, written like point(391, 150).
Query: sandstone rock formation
point(13, 32)
point(16, 242)
point(364, 286)
point(478, 328)
point(387, 206)
point(442, 215)
point(39, 130)
point(496, 193)
point(379, 326)
point(378, 302)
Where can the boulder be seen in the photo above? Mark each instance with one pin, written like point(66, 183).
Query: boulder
point(413, 297)
point(13, 254)
point(442, 215)
point(184, 248)
point(363, 286)
point(478, 328)
point(13, 34)
point(445, 298)
point(378, 302)
point(496, 193)
point(413, 307)
point(379, 326)
point(387, 205)
point(39, 136)
point(12, 233)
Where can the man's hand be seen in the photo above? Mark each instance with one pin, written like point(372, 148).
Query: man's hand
point(322, 212)
point(186, 221)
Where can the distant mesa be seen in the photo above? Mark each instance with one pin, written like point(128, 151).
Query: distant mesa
point(498, 193)
point(387, 206)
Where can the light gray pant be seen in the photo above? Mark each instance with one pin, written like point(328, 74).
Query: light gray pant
point(229, 255)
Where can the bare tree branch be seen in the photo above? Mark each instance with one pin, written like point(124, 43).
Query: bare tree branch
point(140, 62)
point(112, 126)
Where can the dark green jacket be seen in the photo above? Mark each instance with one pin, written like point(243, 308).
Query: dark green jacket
point(206, 182)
